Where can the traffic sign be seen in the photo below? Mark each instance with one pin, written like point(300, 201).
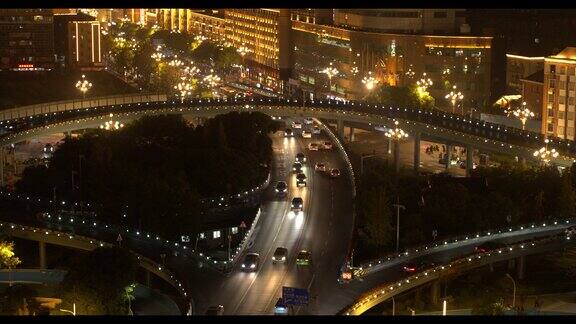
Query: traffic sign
point(242, 225)
point(347, 275)
point(295, 296)
point(119, 239)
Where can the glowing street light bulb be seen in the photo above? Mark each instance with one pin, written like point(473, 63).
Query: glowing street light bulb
point(184, 89)
point(424, 83)
point(176, 63)
point(546, 155)
point(83, 85)
point(369, 81)
point(330, 71)
point(410, 73)
point(212, 79)
point(454, 97)
point(396, 133)
point(522, 113)
point(112, 124)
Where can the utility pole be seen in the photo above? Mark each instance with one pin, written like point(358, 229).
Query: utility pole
point(398, 207)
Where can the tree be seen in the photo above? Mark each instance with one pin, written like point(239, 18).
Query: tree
point(376, 219)
point(8, 259)
point(97, 282)
point(400, 96)
point(18, 300)
point(566, 201)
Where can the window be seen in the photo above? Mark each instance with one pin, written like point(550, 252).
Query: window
point(551, 83)
point(571, 70)
point(550, 127)
point(562, 100)
point(550, 113)
point(560, 115)
point(562, 70)
point(216, 234)
point(570, 131)
point(552, 68)
point(440, 14)
point(234, 230)
point(571, 101)
point(562, 85)
point(571, 86)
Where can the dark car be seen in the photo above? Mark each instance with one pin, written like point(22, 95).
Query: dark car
point(304, 258)
point(280, 255)
point(489, 246)
point(413, 267)
point(288, 132)
point(297, 204)
point(251, 261)
point(281, 187)
point(297, 167)
point(215, 310)
point(301, 180)
point(300, 158)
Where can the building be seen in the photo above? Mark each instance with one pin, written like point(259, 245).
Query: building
point(26, 39)
point(313, 16)
point(533, 92)
point(402, 21)
point(395, 59)
point(519, 67)
point(559, 93)
point(61, 34)
point(84, 45)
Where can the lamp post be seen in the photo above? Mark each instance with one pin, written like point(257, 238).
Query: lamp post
point(522, 113)
point(544, 154)
point(330, 71)
point(514, 294)
point(396, 135)
point(83, 85)
point(242, 50)
point(212, 79)
point(369, 81)
point(424, 83)
point(112, 124)
point(183, 89)
point(454, 97)
point(398, 207)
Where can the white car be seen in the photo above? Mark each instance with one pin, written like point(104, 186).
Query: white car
point(316, 130)
point(327, 145)
point(306, 134)
point(296, 124)
point(308, 121)
point(313, 146)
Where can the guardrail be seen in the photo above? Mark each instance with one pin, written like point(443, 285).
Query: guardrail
point(90, 244)
point(386, 291)
point(376, 265)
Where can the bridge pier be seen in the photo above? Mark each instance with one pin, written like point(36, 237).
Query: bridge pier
point(469, 160)
point(42, 254)
point(435, 292)
point(521, 266)
point(351, 134)
point(511, 264)
point(448, 155)
point(416, 152)
point(340, 128)
point(491, 266)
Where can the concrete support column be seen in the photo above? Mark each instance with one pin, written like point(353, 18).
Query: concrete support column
point(351, 134)
point(435, 292)
point(42, 249)
point(469, 160)
point(448, 155)
point(340, 128)
point(147, 278)
point(397, 155)
point(511, 264)
point(521, 267)
point(416, 152)
point(491, 267)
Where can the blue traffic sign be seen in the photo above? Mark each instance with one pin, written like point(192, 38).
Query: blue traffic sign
point(295, 296)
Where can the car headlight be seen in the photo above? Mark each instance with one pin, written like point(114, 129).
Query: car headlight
point(273, 258)
point(243, 266)
point(252, 266)
point(277, 190)
point(283, 258)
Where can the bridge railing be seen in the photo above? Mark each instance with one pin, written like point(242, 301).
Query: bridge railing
point(388, 290)
point(378, 264)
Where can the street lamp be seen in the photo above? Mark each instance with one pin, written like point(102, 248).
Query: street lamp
point(242, 50)
point(83, 85)
point(544, 154)
point(191, 70)
point(522, 113)
point(514, 295)
point(158, 56)
point(176, 62)
point(183, 88)
point(410, 73)
point(112, 124)
point(396, 135)
point(369, 81)
point(330, 71)
point(424, 83)
point(398, 207)
point(212, 79)
point(454, 97)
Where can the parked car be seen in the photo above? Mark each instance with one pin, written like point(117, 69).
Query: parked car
point(304, 258)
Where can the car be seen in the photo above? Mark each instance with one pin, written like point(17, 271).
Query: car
point(297, 167)
point(316, 130)
point(251, 261)
point(301, 180)
point(489, 246)
point(320, 167)
point(280, 255)
point(415, 267)
point(308, 121)
point(306, 134)
point(297, 204)
point(304, 258)
point(281, 187)
point(48, 148)
point(313, 146)
point(296, 124)
point(334, 173)
point(280, 308)
point(215, 310)
point(288, 132)
point(300, 158)
point(327, 145)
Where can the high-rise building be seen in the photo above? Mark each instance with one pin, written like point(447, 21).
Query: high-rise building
point(84, 46)
point(519, 67)
point(559, 93)
point(26, 39)
point(533, 91)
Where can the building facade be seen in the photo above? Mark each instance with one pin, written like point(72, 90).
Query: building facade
point(84, 45)
point(26, 39)
point(519, 67)
point(533, 92)
point(559, 93)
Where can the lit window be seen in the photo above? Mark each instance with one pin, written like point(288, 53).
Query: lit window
point(234, 230)
point(216, 234)
point(202, 236)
